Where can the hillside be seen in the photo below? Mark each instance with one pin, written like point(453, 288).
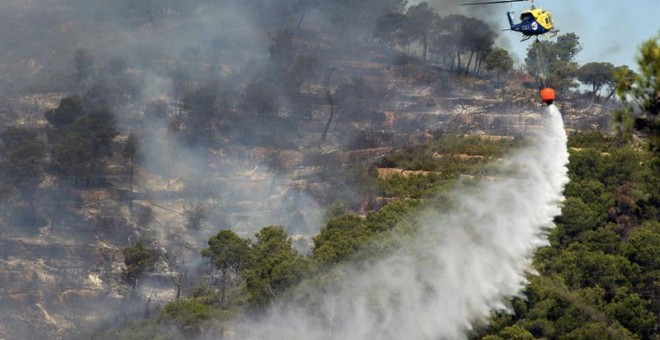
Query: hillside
point(133, 136)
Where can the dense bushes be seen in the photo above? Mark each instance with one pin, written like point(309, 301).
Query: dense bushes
point(599, 275)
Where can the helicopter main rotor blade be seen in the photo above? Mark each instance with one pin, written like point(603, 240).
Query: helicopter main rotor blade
point(492, 2)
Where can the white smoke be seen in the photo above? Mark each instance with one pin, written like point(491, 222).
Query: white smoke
point(455, 270)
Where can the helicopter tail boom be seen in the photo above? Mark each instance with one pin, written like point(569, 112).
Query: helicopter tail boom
point(510, 16)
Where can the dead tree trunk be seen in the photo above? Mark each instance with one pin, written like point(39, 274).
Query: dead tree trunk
point(178, 282)
point(328, 75)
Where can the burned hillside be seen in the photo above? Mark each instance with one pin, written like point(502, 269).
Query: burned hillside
point(165, 123)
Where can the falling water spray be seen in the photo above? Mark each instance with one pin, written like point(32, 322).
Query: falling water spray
point(460, 265)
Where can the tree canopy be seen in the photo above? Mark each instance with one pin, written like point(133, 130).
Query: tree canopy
point(272, 266)
point(555, 61)
point(228, 253)
point(596, 74)
point(80, 135)
point(499, 61)
point(642, 93)
point(23, 159)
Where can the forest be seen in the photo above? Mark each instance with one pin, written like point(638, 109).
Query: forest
point(176, 170)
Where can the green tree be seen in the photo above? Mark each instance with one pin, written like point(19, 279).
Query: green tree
point(590, 191)
point(642, 94)
point(624, 78)
point(21, 165)
point(66, 113)
point(71, 156)
point(598, 331)
point(604, 239)
point(228, 253)
point(272, 266)
point(643, 246)
point(539, 56)
point(387, 217)
point(578, 217)
point(619, 72)
point(567, 47)
point(479, 43)
point(632, 312)
point(597, 281)
point(562, 75)
point(418, 25)
point(554, 61)
point(643, 249)
point(390, 28)
point(499, 61)
point(516, 333)
point(581, 268)
point(22, 158)
point(596, 74)
point(455, 36)
point(190, 313)
point(81, 137)
point(447, 39)
point(587, 165)
point(98, 128)
point(138, 259)
point(341, 238)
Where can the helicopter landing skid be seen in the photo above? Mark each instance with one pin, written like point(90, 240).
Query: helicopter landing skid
point(553, 33)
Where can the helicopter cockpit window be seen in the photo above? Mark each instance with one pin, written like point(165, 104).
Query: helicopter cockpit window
point(526, 17)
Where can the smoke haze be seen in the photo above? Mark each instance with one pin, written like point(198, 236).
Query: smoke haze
point(456, 269)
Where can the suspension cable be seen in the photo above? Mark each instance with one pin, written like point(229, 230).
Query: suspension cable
point(541, 67)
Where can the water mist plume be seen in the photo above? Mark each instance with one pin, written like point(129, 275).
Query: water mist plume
point(457, 268)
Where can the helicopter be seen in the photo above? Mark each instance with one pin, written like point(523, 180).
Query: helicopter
point(534, 22)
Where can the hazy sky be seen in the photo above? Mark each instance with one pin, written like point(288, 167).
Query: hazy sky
point(609, 30)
